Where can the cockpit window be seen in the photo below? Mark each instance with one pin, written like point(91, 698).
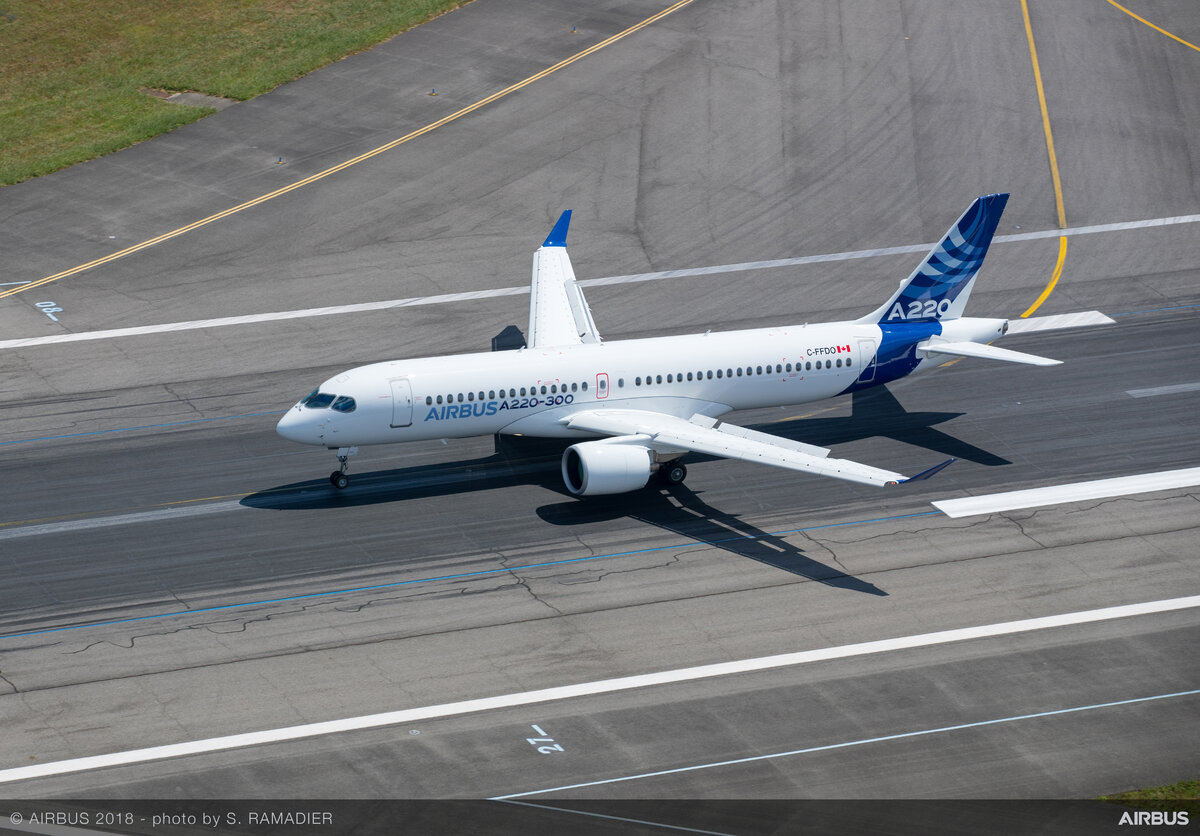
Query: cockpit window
point(344, 404)
point(318, 400)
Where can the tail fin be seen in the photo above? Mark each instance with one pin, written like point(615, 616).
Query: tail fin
point(939, 288)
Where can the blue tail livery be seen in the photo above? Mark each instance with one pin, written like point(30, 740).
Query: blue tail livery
point(939, 287)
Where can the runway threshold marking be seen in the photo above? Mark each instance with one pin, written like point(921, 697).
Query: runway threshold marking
point(846, 744)
point(1152, 26)
point(971, 506)
point(458, 114)
point(587, 689)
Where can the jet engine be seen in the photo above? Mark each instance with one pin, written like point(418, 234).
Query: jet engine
point(594, 468)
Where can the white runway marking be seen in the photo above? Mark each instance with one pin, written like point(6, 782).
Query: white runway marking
point(584, 689)
point(1166, 480)
point(250, 319)
point(1163, 390)
point(847, 744)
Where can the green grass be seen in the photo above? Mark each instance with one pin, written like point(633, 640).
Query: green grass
point(1183, 795)
point(72, 71)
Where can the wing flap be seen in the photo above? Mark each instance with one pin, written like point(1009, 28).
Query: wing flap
point(667, 433)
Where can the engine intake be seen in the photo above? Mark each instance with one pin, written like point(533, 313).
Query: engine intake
point(595, 468)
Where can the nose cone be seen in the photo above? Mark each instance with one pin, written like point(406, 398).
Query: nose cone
point(296, 426)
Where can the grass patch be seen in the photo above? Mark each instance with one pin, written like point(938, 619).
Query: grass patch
point(1183, 795)
point(71, 72)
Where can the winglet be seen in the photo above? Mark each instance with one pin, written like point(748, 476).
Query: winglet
point(558, 235)
point(925, 474)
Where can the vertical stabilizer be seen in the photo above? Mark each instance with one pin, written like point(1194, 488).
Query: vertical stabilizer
point(939, 287)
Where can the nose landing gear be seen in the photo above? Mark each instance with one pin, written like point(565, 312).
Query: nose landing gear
point(338, 478)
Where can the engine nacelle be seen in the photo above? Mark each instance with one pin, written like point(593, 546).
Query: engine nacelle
point(594, 468)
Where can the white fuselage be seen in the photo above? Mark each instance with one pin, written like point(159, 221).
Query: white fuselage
point(533, 391)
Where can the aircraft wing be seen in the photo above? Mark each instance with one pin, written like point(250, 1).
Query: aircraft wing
point(558, 313)
point(702, 434)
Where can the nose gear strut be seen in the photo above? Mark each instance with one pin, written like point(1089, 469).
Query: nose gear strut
point(338, 478)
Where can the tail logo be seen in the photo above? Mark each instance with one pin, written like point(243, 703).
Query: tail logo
point(928, 309)
point(949, 268)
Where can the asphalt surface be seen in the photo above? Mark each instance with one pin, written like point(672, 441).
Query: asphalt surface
point(174, 571)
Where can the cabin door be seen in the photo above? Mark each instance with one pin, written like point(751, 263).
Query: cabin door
point(402, 405)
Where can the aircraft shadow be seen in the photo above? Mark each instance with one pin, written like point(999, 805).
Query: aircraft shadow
point(529, 461)
point(876, 413)
point(680, 510)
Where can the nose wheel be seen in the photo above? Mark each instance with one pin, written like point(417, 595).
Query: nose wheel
point(338, 478)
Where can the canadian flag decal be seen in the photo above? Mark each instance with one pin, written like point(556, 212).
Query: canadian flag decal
point(842, 348)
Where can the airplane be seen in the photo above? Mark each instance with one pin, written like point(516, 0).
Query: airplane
point(645, 403)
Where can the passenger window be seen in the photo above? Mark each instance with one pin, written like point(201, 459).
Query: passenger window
point(839, 362)
point(758, 369)
point(470, 396)
point(689, 375)
point(808, 366)
point(670, 378)
point(574, 387)
point(583, 386)
point(729, 372)
point(658, 379)
point(719, 375)
point(710, 374)
point(739, 371)
point(522, 391)
point(620, 383)
point(847, 362)
point(344, 404)
point(439, 400)
point(637, 381)
point(543, 390)
point(492, 395)
point(429, 400)
point(829, 364)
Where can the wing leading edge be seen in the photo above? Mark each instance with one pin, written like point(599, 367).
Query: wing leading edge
point(558, 312)
point(702, 434)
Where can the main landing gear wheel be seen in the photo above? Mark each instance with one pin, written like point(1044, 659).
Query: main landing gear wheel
point(672, 473)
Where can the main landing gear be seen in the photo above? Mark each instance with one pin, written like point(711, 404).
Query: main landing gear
point(338, 478)
point(672, 473)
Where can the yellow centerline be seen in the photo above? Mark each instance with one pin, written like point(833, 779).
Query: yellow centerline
point(1062, 255)
point(1055, 179)
point(1152, 26)
point(1037, 78)
point(355, 161)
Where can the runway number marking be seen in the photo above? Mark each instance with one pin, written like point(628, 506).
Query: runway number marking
point(544, 744)
point(49, 309)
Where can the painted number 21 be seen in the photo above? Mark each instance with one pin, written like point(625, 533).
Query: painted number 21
point(544, 744)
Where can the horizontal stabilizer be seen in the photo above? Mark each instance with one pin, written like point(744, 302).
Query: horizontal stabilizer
point(983, 351)
point(1055, 322)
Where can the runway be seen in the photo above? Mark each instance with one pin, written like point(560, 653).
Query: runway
point(177, 572)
